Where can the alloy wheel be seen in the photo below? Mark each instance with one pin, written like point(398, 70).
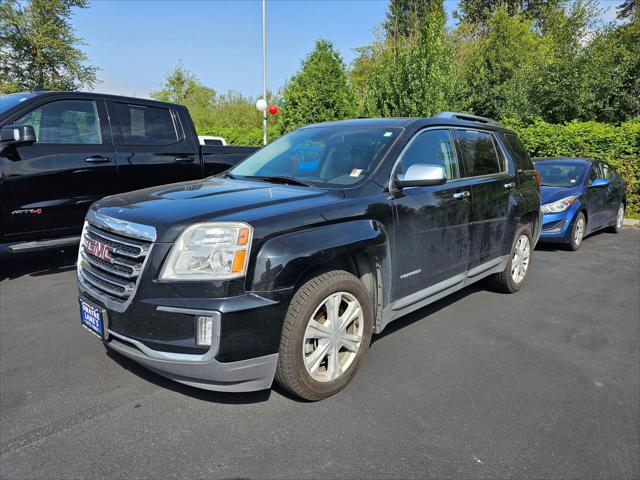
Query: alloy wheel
point(520, 260)
point(620, 217)
point(579, 231)
point(333, 337)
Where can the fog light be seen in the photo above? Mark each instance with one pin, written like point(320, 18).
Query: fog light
point(205, 331)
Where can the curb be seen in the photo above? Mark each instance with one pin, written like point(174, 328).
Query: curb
point(631, 222)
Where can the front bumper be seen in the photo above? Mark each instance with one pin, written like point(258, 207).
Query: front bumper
point(155, 323)
point(201, 371)
point(556, 227)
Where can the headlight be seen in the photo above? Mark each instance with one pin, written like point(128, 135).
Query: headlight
point(560, 205)
point(209, 251)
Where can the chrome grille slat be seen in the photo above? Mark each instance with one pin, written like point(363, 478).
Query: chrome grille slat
point(111, 272)
point(103, 287)
point(125, 249)
point(112, 269)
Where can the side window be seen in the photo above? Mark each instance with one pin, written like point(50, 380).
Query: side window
point(143, 125)
point(65, 122)
point(520, 155)
point(434, 147)
point(594, 173)
point(479, 152)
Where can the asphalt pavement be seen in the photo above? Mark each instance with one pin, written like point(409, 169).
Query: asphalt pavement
point(544, 383)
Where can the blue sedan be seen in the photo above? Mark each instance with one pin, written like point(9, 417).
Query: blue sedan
point(579, 196)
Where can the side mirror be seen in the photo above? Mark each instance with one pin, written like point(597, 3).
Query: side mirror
point(16, 135)
point(599, 183)
point(421, 175)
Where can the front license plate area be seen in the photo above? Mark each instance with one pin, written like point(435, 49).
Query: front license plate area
point(93, 318)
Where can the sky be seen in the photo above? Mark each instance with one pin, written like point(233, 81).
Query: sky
point(135, 43)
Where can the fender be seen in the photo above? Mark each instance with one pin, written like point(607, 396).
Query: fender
point(283, 260)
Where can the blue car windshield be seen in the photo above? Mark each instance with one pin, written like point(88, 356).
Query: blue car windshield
point(325, 155)
point(560, 174)
point(11, 100)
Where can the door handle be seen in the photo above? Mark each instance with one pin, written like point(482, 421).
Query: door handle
point(97, 159)
point(510, 185)
point(460, 195)
point(184, 159)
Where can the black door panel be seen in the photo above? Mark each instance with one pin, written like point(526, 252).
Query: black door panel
point(493, 192)
point(431, 231)
point(49, 185)
point(151, 145)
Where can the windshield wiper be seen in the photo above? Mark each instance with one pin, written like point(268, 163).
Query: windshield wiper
point(283, 180)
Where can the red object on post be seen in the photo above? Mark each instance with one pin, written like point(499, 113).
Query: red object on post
point(273, 109)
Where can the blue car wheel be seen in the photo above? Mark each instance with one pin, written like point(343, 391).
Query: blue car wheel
point(577, 231)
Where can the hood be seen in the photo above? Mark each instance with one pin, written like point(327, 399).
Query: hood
point(553, 194)
point(170, 208)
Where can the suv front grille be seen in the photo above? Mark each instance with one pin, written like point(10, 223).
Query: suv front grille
point(110, 263)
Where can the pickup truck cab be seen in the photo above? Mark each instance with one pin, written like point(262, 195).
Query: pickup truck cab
point(62, 151)
point(286, 265)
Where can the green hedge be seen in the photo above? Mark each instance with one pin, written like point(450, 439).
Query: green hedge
point(618, 145)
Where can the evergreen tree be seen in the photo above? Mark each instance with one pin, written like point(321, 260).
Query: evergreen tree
point(38, 47)
point(318, 92)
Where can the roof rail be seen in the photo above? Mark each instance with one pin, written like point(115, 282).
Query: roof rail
point(468, 117)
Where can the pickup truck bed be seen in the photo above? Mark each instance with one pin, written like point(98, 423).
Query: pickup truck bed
point(88, 146)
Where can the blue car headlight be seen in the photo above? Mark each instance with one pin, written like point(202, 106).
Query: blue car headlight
point(560, 205)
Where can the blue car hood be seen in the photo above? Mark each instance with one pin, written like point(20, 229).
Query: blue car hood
point(553, 194)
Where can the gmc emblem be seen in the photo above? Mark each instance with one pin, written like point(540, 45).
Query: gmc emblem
point(99, 249)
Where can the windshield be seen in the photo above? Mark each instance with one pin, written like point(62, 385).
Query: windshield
point(560, 174)
point(10, 101)
point(331, 155)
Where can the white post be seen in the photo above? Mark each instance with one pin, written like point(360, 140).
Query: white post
point(264, 69)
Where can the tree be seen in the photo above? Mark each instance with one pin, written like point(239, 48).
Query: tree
point(629, 10)
point(38, 47)
point(182, 87)
point(481, 11)
point(414, 76)
point(405, 17)
point(500, 66)
point(318, 92)
point(610, 89)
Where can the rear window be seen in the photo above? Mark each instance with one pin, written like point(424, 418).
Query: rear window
point(520, 155)
point(144, 125)
point(479, 152)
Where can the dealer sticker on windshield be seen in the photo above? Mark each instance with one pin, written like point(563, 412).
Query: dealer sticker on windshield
point(356, 172)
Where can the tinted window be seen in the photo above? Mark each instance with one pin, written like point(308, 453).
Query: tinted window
point(594, 173)
point(479, 152)
point(433, 147)
point(65, 121)
point(321, 155)
point(560, 174)
point(520, 155)
point(142, 125)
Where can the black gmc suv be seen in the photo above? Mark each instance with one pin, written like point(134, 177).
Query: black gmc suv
point(286, 265)
point(62, 151)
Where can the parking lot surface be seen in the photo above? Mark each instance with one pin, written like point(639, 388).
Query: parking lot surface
point(540, 384)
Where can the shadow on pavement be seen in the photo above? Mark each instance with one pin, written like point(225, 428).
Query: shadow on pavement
point(197, 393)
point(37, 264)
point(428, 310)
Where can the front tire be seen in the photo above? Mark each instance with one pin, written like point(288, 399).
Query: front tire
point(577, 232)
point(325, 335)
point(511, 279)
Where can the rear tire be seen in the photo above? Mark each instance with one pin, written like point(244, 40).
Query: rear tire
point(619, 219)
point(512, 278)
point(325, 336)
point(577, 232)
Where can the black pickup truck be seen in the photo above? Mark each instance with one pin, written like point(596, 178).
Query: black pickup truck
point(62, 151)
point(284, 266)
